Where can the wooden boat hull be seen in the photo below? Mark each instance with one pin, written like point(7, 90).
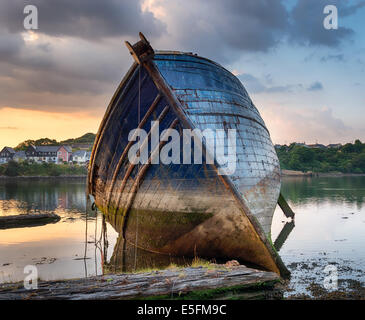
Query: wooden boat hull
point(187, 209)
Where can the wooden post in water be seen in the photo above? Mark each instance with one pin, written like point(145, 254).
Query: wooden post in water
point(285, 207)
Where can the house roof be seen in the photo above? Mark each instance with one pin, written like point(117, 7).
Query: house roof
point(20, 154)
point(79, 153)
point(47, 148)
point(8, 149)
point(316, 145)
point(50, 148)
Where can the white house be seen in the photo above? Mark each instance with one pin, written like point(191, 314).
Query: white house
point(81, 156)
point(19, 156)
point(6, 154)
point(50, 154)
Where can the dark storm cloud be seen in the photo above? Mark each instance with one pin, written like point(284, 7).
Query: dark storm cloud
point(250, 25)
point(79, 54)
point(224, 29)
point(307, 22)
point(87, 67)
point(89, 19)
point(71, 70)
point(68, 62)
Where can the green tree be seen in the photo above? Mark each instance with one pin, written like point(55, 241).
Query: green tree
point(359, 162)
point(348, 148)
point(358, 146)
point(12, 169)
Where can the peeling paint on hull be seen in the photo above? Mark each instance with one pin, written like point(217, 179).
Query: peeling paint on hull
point(182, 209)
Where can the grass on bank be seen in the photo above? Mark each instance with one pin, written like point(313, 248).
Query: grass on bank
point(25, 168)
point(195, 263)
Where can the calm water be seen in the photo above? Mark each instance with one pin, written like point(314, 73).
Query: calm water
point(329, 230)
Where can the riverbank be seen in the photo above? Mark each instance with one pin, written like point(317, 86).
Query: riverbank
point(21, 169)
point(294, 173)
point(348, 286)
point(43, 177)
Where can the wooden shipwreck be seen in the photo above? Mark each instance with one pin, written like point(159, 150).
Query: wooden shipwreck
point(186, 209)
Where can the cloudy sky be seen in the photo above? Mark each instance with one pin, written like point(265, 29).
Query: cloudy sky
point(307, 82)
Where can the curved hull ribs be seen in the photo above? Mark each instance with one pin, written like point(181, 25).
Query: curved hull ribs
point(174, 209)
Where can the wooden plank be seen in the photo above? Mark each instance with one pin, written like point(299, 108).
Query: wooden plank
point(130, 143)
point(131, 166)
point(141, 173)
point(170, 283)
point(27, 220)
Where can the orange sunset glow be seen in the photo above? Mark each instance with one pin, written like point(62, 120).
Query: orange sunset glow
point(17, 125)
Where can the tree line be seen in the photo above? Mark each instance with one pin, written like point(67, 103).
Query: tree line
point(87, 138)
point(350, 158)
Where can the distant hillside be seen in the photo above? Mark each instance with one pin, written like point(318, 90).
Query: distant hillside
point(40, 142)
point(87, 138)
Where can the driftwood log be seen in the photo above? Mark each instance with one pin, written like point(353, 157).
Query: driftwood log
point(27, 220)
point(185, 283)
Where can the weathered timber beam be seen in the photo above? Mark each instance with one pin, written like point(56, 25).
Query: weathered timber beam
point(165, 284)
point(141, 50)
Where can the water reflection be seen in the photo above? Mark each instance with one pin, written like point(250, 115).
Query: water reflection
point(58, 250)
point(46, 195)
point(284, 234)
point(329, 228)
point(127, 257)
point(333, 190)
